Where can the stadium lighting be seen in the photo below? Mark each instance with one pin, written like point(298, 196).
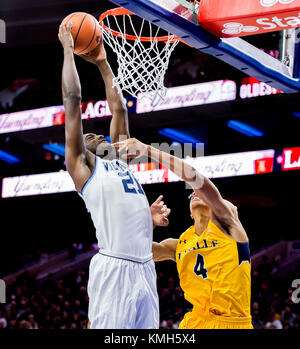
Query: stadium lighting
point(297, 114)
point(11, 159)
point(178, 136)
point(55, 148)
point(244, 128)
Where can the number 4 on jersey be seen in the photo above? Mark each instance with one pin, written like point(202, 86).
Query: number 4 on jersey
point(199, 268)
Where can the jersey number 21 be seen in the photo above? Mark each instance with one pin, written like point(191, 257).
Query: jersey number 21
point(131, 185)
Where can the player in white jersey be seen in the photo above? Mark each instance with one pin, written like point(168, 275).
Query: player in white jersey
point(122, 278)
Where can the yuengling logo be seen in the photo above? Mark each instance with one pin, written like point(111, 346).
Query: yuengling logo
point(234, 28)
point(269, 3)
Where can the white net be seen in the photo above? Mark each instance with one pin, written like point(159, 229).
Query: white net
point(141, 64)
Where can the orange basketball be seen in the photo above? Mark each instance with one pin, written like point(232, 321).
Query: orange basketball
point(86, 31)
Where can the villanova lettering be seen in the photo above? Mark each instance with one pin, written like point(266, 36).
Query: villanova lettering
point(205, 244)
point(114, 166)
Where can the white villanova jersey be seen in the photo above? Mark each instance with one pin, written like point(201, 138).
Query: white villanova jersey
point(120, 210)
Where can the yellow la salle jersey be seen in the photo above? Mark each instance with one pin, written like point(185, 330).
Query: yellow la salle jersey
point(214, 272)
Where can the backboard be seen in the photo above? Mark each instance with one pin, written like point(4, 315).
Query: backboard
point(180, 18)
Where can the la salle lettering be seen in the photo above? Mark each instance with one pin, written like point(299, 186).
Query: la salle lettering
point(214, 243)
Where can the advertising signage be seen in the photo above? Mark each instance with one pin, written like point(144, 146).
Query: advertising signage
point(177, 97)
point(217, 166)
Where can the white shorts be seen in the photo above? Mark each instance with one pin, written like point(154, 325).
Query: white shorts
point(122, 294)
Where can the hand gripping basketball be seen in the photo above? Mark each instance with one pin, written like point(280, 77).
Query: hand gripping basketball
point(97, 55)
point(86, 31)
point(65, 36)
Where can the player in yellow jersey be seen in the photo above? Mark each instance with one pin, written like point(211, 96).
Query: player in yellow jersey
point(212, 256)
point(214, 270)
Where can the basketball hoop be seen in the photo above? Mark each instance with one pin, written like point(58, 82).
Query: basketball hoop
point(142, 59)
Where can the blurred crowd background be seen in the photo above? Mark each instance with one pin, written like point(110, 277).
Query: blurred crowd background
point(62, 303)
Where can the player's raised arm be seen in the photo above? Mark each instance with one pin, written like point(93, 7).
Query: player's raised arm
point(78, 159)
point(117, 103)
point(224, 213)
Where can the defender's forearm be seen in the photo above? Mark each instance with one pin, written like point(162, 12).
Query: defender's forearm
point(156, 251)
point(71, 87)
point(200, 184)
point(165, 250)
point(177, 166)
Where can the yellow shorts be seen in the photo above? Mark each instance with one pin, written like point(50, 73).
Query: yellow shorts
point(194, 320)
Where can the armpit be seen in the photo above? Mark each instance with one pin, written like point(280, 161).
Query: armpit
point(224, 224)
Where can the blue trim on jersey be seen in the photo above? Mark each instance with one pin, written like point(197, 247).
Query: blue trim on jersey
point(244, 252)
point(91, 177)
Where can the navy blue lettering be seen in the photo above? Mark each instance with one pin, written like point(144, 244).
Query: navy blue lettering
point(199, 268)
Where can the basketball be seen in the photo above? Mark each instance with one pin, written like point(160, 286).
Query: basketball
point(86, 31)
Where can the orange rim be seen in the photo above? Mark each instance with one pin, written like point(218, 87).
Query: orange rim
point(122, 11)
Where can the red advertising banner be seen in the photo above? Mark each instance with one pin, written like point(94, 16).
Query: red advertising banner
point(290, 159)
point(232, 18)
point(264, 165)
point(251, 87)
point(59, 118)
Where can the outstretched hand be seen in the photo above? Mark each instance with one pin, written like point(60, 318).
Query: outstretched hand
point(131, 148)
point(97, 55)
point(160, 213)
point(65, 36)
